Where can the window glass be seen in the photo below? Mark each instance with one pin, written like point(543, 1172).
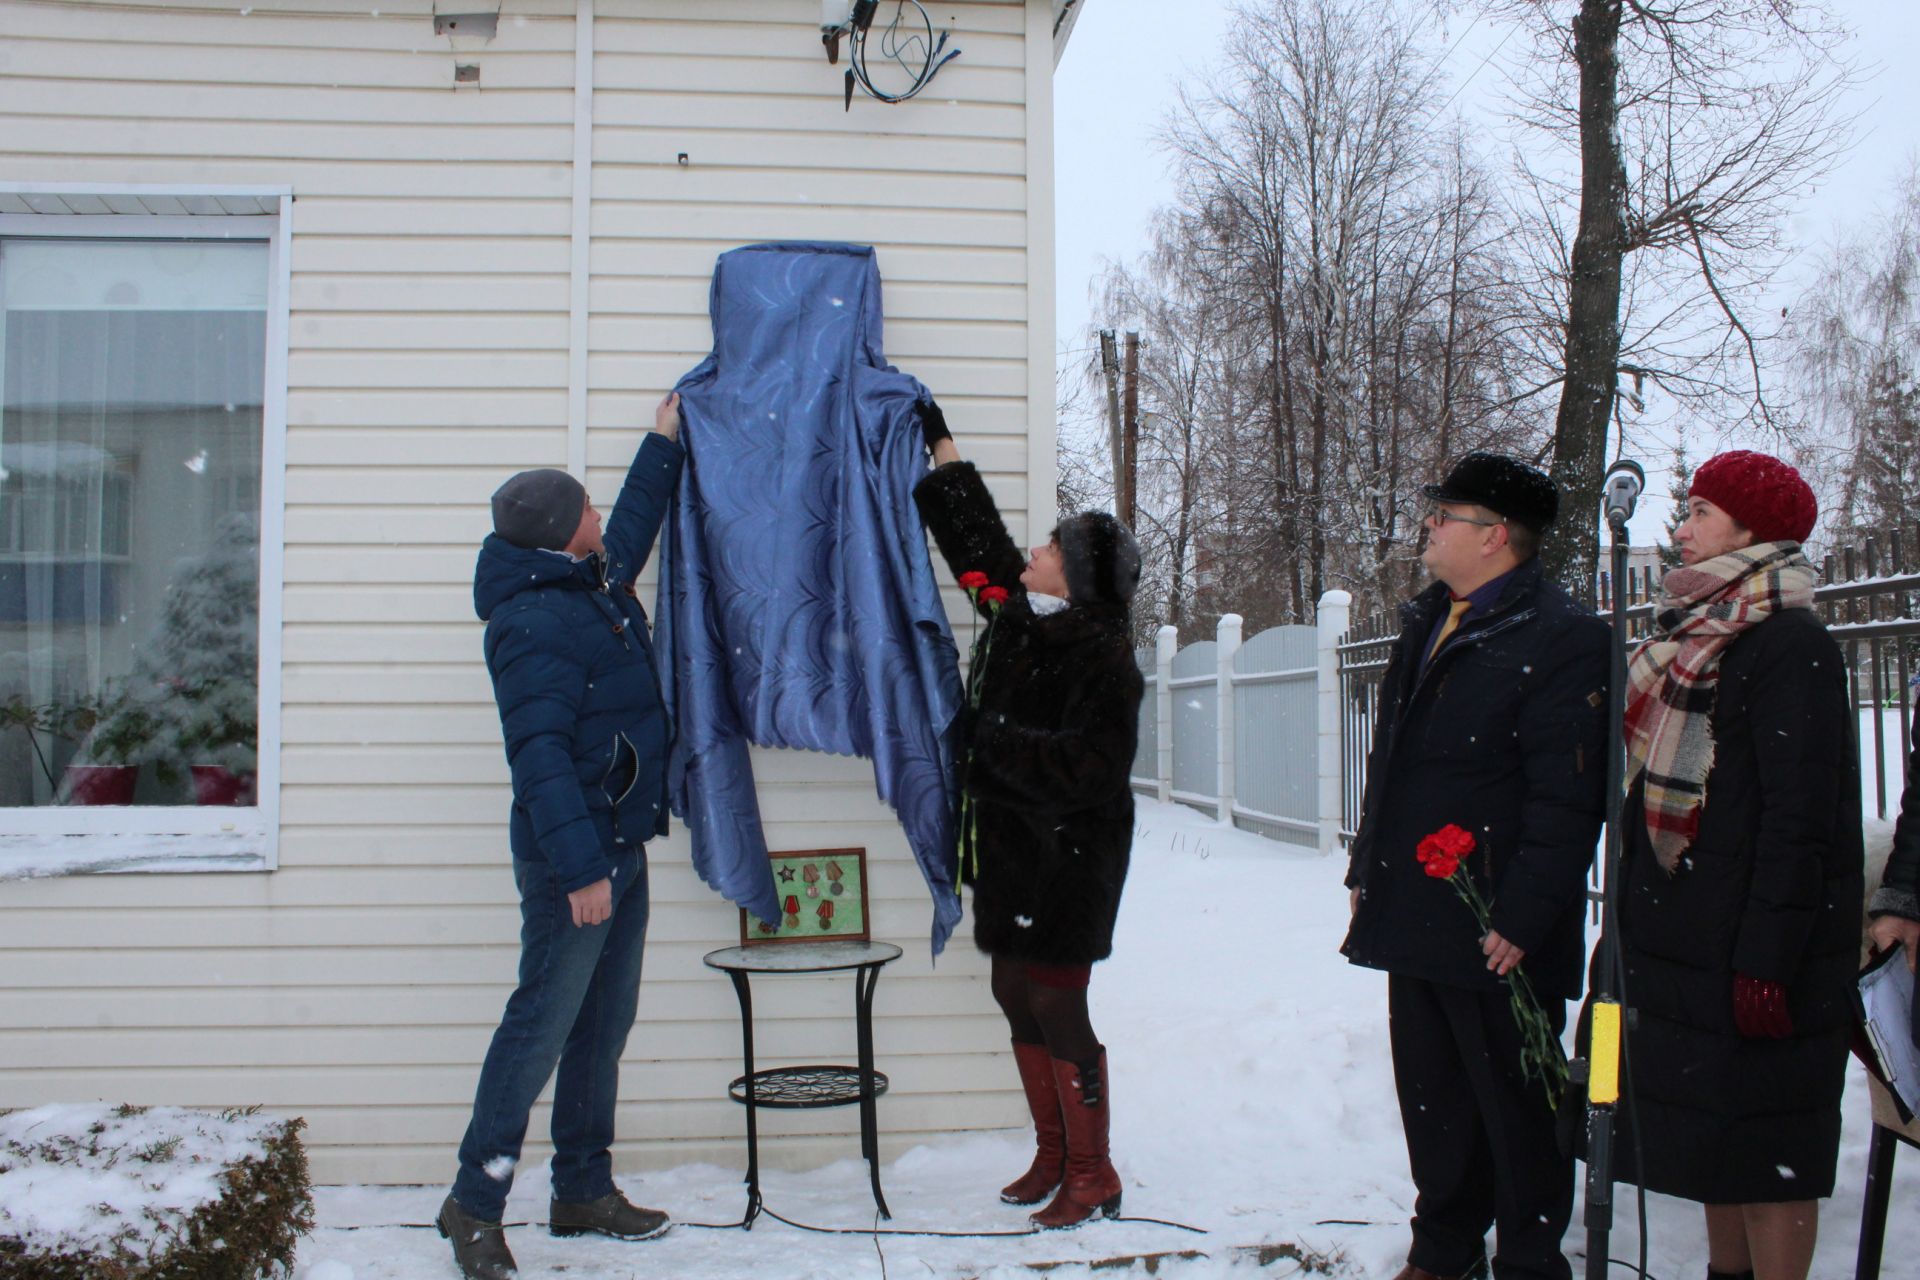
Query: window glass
point(131, 377)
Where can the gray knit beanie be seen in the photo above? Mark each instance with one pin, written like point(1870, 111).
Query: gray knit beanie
point(539, 509)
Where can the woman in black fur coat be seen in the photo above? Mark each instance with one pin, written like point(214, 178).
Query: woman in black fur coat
point(1048, 745)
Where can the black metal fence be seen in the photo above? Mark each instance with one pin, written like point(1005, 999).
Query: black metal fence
point(1363, 661)
point(1866, 596)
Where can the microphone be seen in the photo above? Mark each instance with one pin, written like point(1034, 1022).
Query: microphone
point(1624, 482)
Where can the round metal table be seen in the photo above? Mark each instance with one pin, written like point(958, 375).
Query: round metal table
point(820, 1085)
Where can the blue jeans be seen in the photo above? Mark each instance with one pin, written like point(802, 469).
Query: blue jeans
point(578, 993)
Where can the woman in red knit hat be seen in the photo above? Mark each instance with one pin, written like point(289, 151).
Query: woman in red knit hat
point(1739, 901)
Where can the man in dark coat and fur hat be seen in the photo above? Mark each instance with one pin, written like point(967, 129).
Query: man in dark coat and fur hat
point(1048, 743)
point(1492, 720)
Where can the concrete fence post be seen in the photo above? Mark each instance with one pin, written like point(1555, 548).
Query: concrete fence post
point(1165, 645)
point(1227, 638)
point(1330, 620)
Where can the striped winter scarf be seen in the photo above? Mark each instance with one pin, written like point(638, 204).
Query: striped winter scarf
point(1673, 676)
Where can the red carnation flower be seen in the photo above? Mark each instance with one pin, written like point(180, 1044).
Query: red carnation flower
point(994, 595)
point(1439, 854)
point(1541, 1058)
point(973, 580)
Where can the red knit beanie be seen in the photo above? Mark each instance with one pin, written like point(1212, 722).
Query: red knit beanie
point(1761, 492)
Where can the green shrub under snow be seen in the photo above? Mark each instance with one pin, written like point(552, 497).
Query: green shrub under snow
point(92, 1192)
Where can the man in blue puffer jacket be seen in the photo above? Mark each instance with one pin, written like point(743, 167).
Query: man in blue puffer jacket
point(587, 735)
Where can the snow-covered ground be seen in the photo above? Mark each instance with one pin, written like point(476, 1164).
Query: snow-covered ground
point(1252, 1098)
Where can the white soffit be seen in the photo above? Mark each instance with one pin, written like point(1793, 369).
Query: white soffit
point(1065, 14)
point(67, 201)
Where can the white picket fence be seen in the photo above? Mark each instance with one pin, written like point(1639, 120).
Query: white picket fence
point(1273, 733)
point(1249, 730)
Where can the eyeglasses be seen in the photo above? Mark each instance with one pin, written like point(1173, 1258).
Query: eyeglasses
point(1440, 516)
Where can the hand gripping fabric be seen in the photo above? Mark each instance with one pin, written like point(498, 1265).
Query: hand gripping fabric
point(797, 605)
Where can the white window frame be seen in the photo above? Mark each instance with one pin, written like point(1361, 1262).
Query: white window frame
point(67, 840)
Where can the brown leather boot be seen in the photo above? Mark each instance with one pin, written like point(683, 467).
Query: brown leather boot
point(479, 1247)
point(1050, 1134)
point(610, 1215)
point(1091, 1186)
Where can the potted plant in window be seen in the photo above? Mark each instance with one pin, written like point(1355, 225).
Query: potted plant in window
point(116, 733)
point(217, 734)
point(39, 723)
point(111, 743)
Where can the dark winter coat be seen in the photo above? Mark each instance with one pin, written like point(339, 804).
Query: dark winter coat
point(1503, 734)
point(575, 679)
point(1899, 891)
point(1770, 887)
point(1051, 746)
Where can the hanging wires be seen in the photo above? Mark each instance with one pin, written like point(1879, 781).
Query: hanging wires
point(900, 43)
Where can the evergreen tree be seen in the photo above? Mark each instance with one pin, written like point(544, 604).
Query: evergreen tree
point(1889, 457)
point(1682, 473)
point(194, 689)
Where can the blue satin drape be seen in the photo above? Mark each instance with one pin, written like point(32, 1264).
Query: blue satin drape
point(797, 604)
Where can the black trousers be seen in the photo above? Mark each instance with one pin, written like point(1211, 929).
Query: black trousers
point(1480, 1138)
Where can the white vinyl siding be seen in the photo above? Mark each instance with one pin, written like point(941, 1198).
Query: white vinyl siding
point(429, 334)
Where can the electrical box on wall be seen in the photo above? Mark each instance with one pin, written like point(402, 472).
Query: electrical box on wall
point(466, 25)
point(905, 37)
point(836, 19)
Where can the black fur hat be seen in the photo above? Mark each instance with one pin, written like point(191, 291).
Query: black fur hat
point(1102, 559)
point(1506, 486)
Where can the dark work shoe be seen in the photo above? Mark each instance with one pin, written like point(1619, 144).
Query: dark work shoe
point(479, 1248)
point(610, 1215)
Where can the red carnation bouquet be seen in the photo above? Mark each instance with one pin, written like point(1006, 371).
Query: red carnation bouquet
point(1440, 856)
point(980, 591)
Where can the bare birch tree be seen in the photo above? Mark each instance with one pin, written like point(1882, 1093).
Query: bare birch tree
point(1291, 160)
point(1330, 314)
point(1696, 124)
point(1856, 335)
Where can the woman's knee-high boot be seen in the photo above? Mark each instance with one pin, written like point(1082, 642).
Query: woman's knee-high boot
point(1050, 1135)
point(1091, 1185)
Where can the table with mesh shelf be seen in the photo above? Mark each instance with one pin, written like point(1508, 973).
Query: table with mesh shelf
point(805, 1087)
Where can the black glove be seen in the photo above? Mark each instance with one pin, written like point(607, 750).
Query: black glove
point(933, 423)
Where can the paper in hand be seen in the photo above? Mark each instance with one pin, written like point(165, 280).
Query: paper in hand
point(1887, 1013)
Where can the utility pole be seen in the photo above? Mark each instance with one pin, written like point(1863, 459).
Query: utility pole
point(1110, 365)
point(1130, 452)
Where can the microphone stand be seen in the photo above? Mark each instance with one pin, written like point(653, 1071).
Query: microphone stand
point(1603, 1049)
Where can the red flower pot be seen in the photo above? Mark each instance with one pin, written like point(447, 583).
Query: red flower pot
point(216, 785)
point(99, 783)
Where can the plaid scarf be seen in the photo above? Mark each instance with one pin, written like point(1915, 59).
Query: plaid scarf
point(1675, 673)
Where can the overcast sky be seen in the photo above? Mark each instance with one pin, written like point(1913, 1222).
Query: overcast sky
point(1118, 80)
